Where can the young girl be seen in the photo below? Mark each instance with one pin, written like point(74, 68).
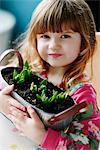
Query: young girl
point(58, 44)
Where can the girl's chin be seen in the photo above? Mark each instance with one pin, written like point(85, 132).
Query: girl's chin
point(57, 65)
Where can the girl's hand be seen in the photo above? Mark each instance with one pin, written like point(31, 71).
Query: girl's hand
point(7, 103)
point(30, 126)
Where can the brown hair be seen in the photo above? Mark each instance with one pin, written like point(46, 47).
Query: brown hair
point(50, 15)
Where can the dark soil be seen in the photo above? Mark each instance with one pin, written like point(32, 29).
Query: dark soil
point(25, 92)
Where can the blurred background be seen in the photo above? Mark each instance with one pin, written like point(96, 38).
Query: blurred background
point(14, 18)
point(22, 11)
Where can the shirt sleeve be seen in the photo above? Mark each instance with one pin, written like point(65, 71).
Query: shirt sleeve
point(83, 132)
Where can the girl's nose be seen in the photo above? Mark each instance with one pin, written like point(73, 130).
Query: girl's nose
point(54, 43)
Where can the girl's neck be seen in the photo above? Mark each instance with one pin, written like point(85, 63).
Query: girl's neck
point(55, 75)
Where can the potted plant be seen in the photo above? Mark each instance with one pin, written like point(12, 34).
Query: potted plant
point(54, 106)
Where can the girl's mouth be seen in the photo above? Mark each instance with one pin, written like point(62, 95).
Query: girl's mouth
point(55, 55)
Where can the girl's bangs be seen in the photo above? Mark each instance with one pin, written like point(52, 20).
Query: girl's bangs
point(56, 21)
point(54, 26)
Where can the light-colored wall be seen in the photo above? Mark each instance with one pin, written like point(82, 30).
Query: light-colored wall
point(96, 69)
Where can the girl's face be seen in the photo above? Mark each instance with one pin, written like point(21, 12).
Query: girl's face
point(59, 49)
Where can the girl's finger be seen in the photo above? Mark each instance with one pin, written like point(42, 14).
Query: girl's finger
point(18, 105)
point(32, 113)
point(7, 90)
point(17, 113)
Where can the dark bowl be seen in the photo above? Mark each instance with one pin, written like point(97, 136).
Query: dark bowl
point(57, 121)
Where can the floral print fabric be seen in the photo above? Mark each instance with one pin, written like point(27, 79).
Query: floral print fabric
point(84, 131)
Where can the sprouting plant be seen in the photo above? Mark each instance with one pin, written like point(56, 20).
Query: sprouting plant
point(43, 85)
point(46, 98)
point(33, 88)
point(41, 94)
point(21, 77)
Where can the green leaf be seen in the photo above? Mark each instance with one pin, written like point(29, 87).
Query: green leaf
point(15, 73)
point(33, 88)
point(38, 97)
point(43, 82)
point(53, 97)
point(21, 77)
point(43, 92)
point(26, 65)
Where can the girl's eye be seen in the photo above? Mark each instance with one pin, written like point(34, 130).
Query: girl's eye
point(45, 36)
point(65, 36)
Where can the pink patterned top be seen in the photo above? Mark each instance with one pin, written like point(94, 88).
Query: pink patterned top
point(84, 132)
